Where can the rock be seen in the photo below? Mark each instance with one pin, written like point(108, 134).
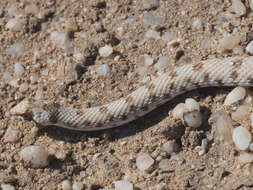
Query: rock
point(249, 48)
point(169, 36)
point(193, 119)
point(162, 63)
point(7, 187)
point(161, 186)
point(103, 70)
point(164, 163)
point(123, 185)
point(16, 48)
point(179, 111)
point(105, 51)
point(153, 20)
point(19, 69)
point(10, 80)
point(67, 72)
point(77, 185)
point(11, 135)
point(35, 156)
point(144, 161)
point(169, 146)
point(148, 60)
point(66, 185)
point(238, 7)
point(251, 4)
point(241, 113)
point(150, 4)
point(62, 40)
point(152, 34)
point(197, 24)
point(21, 108)
point(206, 43)
point(235, 95)
point(228, 43)
point(31, 9)
point(241, 137)
point(192, 105)
point(245, 158)
point(14, 24)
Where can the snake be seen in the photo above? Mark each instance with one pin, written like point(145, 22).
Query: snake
point(216, 72)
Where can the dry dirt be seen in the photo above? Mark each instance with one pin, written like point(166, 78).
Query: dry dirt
point(96, 159)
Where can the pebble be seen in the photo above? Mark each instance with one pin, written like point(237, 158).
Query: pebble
point(223, 124)
point(169, 36)
point(105, 51)
point(169, 146)
point(164, 163)
point(77, 186)
point(9, 79)
point(19, 69)
point(251, 119)
point(148, 60)
point(21, 108)
point(241, 113)
point(251, 147)
point(152, 19)
point(13, 11)
point(152, 34)
point(192, 105)
point(66, 185)
point(251, 4)
point(241, 137)
point(203, 147)
point(149, 4)
point(161, 186)
point(142, 71)
point(228, 43)
point(62, 40)
point(16, 48)
point(162, 63)
point(206, 43)
point(103, 70)
point(193, 119)
point(197, 24)
point(31, 9)
point(179, 111)
point(123, 185)
point(14, 24)
point(144, 161)
point(11, 135)
point(249, 48)
point(7, 187)
point(35, 156)
point(238, 7)
point(245, 158)
point(235, 95)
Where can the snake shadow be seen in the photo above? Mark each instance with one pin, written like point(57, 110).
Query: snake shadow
point(139, 125)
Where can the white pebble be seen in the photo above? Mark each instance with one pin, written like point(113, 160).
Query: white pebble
point(241, 137)
point(251, 147)
point(162, 63)
point(123, 185)
point(169, 36)
point(77, 185)
point(245, 158)
point(249, 48)
point(13, 11)
point(251, 119)
point(19, 69)
point(251, 4)
point(103, 70)
point(144, 161)
point(105, 51)
point(169, 146)
point(193, 119)
point(148, 60)
point(197, 24)
point(192, 105)
point(7, 187)
point(241, 113)
point(161, 186)
point(14, 24)
point(164, 163)
point(9, 79)
point(235, 95)
point(31, 9)
point(35, 156)
point(62, 40)
point(11, 135)
point(20, 108)
point(16, 48)
point(153, 34)
point(206, 43)
point(179, 111)
point(228, 42)
point(142, 71)
point(223, 124)
point(66, 185)
point(238, 7)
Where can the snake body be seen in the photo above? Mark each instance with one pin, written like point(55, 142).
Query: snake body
point(233, 71)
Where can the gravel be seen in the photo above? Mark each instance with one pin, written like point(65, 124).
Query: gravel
point(144, 161)
point(16, 48)
point(241, 137)
point(123, 185)
point(105, 51)
point(162, 63)
point(235, 95)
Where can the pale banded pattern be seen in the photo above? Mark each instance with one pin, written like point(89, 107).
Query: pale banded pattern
point(216, 72)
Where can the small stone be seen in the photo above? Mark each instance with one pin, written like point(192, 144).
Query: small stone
point(152, 34)
point(193, 119)
point(16, 48)
point(241, 137)
point(169, 146)
point(223, 124)
point(204, 147)
point(235, 95)
point(10, 80)
point(206, 43)
point(7, 187)
point(162, 63)
point(238, 50)
point(31, 9)
point(35, 156)
point(103, 70)
point(161, 186)
point(144, 161)
point(11, 135)
point(14, 24)
point(251, 4)
point(66, 185)
point(251, 119)
point(149, 4)
point(241, 113)
point(164, 163)
point(249, 48)
point(123, 185)
point(13, 11)
point(152, 19)
point(197, 24)
point(179, 111)
point(245, 158)
point(238, 7)
point(19, 69)
point(192, 105)
point(228, 43)
point(251, 147)
point(62, 40)
point(142, 71)
point(77, 186)
point(21, 108)
point(105, 51)
point(148, 60)
point(169, 36)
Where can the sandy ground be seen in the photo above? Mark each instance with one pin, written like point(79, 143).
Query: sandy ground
point(96, 159)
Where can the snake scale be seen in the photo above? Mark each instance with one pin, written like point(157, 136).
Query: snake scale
point(233, 71)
